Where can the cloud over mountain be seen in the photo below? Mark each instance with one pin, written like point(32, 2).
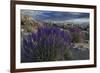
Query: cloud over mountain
point(57, 16)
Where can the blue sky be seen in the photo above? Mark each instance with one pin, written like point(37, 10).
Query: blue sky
point(57, 15)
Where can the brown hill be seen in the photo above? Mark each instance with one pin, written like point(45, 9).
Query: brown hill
point(28, 24)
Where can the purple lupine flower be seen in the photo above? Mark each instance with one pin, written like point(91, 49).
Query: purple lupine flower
point(47, 44)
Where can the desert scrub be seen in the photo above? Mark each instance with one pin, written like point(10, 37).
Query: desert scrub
point(47, 44)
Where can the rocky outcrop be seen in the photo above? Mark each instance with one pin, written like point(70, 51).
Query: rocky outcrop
point(28, 24)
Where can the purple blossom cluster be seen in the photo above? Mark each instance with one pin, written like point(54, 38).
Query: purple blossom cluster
point(47, 44)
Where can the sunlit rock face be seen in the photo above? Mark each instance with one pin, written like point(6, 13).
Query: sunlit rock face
point(28, 24)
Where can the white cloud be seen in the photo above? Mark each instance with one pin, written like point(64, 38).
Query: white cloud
point(79, 20)
point(75, 13)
